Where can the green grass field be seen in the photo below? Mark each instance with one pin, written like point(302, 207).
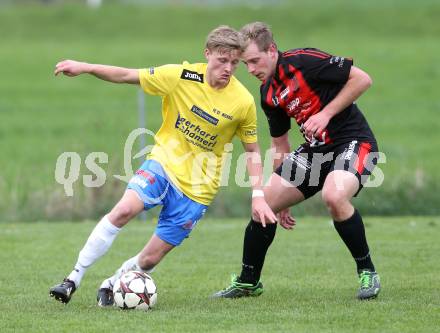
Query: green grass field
point(309, 279)
point(43, 116)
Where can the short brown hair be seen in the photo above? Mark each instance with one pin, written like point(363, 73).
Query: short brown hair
point(259, 33)
point(224, 38)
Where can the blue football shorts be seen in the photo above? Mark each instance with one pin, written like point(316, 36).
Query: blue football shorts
point(179, 214)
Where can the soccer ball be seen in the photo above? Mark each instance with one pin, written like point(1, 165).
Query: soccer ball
point(135, 290)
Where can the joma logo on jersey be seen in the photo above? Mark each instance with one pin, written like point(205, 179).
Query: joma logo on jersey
point(192, 76)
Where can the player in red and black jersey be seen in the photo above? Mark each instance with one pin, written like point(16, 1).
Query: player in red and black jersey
point(304, 82)
point(318, 91)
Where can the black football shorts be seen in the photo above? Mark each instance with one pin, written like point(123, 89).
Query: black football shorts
point(307, 167)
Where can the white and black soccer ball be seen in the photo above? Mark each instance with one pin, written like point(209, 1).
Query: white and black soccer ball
point(135, 290)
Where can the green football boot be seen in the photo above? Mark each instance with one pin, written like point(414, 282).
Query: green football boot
point(370, 285)
point(238, 289)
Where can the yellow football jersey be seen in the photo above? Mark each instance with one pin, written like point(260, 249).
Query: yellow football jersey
point(198, 121)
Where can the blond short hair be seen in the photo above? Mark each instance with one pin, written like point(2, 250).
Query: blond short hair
point(259, 33)
point(224, 39)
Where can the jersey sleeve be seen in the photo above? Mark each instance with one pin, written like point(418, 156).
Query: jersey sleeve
point(279, 121)
point(247, 130)
point(160, 80)
point(321, 66)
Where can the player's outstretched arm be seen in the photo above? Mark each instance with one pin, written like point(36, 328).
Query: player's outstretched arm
point(104, 72)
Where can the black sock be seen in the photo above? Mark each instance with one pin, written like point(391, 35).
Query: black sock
point(352, 232)
point(257, 240)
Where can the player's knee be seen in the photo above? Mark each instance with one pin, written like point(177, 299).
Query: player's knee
point(333, 199)
point(338, 205)
point(147, 262)
point(121, 214)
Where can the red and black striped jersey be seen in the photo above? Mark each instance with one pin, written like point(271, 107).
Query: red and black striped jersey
point(305, 81)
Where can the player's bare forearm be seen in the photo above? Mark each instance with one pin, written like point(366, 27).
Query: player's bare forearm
point(114, 74)
point(104, 72)
point(254, 165)
point(358, 82)
point(281, 148)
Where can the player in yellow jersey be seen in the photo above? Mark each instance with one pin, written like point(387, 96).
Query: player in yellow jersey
point(203, 107)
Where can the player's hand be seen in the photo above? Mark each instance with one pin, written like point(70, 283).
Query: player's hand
point(261, 211)
point(286, 220)
point(71, 67)
point(316, 124)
